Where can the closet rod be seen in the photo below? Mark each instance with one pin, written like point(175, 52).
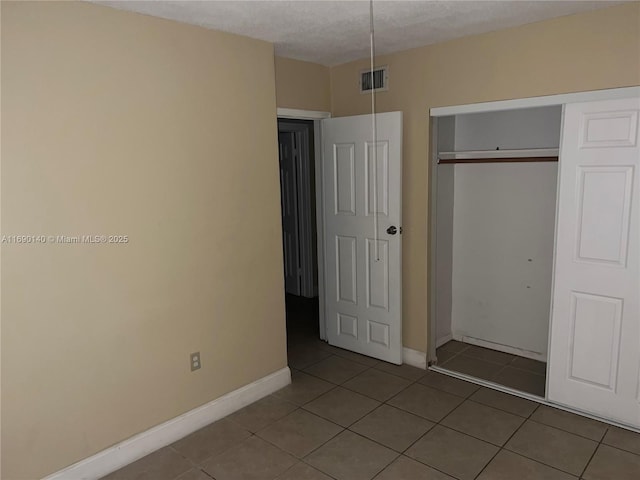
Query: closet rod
point(498, 160)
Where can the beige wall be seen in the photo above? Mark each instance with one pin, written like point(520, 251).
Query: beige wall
point(302, 85)
point(118, 123)
point(589, 51)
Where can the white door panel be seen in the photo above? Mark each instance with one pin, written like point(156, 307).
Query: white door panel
point(594, 362)
point(363, 300)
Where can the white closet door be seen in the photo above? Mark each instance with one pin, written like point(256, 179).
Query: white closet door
point(594, 362)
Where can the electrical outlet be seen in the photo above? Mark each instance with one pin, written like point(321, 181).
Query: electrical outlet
point(195, 361)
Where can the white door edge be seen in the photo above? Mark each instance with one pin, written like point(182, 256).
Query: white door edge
point(296, 114)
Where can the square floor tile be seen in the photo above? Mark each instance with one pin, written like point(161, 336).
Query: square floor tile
point(321, 344)
point(489, 355)
point(612, 464)
point(404, 468)
point(444, 355)
point(504, 401)
point(510, 466)
point(351, 457)
point(299, 433)
point(529, 364)
point(473, 366)
point(342, 406)
point(454, 346)
point(354, 357)
point(486, 423)
point(301, 356)
point(253, 459)
point(211, 440)
point(623, 439)
point(452, 452)
point(302, 471)
point(194, 474)
point(448, 384)
point(404, 370)
point(303, 388)
point(336, 369)
point(392, 427)
point(426, 402)
point(570, 422)
point(556, 448)
point(376, 384)
point(264, 412)
point(163, 464)
point(522, 380)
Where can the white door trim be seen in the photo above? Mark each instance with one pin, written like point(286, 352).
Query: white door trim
point(296, 114)
point(316, 116)
point(544, 101)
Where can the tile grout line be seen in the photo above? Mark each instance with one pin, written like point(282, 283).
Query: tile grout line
point(399, 454)
point(348, 428)
point(411, 382)
point(507, 441)
point(538, 461)
point(368, 367)
point(567, 431)
point(435, 424)
point(500, 448)
point(385, 402)
point(584, 470)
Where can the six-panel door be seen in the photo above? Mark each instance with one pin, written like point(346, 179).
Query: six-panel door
point(362, 200)
point(594, 362)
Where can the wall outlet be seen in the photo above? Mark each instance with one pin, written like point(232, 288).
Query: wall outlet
point(195, 361)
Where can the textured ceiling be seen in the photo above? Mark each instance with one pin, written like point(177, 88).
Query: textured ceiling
point(333, 32)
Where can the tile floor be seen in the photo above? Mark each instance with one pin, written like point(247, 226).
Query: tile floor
point(347, 417)
point(509, 370)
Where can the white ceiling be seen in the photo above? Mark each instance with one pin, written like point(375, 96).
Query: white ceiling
point(331, 32)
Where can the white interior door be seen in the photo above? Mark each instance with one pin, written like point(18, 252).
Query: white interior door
point(594, 362)
point(363, 294)
point(289, 198)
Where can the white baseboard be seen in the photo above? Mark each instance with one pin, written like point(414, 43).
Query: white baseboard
point(130, 450)
point(443, 340)
point(414, 358)
point(502, 348)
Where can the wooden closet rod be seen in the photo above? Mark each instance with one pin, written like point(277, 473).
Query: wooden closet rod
point(498, 160)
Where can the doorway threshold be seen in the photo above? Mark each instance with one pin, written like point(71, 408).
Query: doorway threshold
point(488, 384)
point(527, 396)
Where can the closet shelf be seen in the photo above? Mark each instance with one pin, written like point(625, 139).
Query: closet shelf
point(490, 156)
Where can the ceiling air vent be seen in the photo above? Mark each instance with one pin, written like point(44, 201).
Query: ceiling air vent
point(380, 80)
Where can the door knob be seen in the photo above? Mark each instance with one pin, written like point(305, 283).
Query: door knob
point(392, 230)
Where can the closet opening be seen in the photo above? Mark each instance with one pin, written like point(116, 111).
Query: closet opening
point(495, 179)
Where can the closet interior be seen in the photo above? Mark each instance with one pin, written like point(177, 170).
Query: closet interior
point(496, 188)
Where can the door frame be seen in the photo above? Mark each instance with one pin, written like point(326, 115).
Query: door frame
point(317, 117)
point(433, 115)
